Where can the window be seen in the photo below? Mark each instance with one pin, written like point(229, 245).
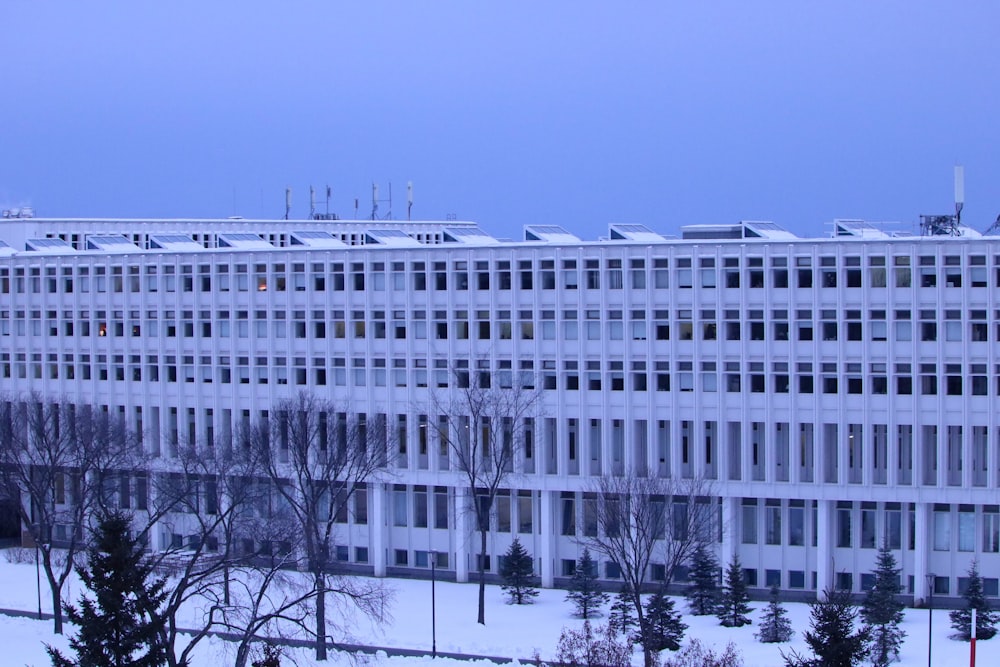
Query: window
point(796, 526)
point(844, 526)
point(966, 528)
point(991, 529)
point(749, 521)
point(942, 529)
point(772, 524)
point(399, 508)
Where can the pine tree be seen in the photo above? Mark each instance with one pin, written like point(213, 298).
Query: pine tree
point(832, 639)
point(774, 627)
point(703, 593)
point(986, 618)
point(518, 572)
point(622, 617)
point(882, 611)
point(118, 621)
point(734, 603)
point(584, 592)
point(664, 629)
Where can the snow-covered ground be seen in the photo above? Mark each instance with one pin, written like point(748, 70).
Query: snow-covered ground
point(511, 631)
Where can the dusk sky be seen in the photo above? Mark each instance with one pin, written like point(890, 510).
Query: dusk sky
point(572, 113)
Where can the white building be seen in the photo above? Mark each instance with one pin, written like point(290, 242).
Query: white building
point(840, 390)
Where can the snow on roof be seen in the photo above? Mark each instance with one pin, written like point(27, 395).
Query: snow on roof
point(315, 239)
point(764, 229)
point(468, 235)
point(549, 233)
point(243, 241)
point(633, 232)
point(858, 228)
point(390, 237)
point(110, 243)
point(174, 242)
point(55, 246)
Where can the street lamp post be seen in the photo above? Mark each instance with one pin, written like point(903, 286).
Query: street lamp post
point(433, 556)
point(930, 615)
point(38, 582)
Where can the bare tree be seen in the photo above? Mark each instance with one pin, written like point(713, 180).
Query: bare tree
point(486, 422)
point(212, 500)
point(642, 518)
point(58, 458)
point(318, 457)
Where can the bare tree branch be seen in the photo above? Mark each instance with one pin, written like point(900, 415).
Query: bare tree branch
point(485, 420)
point(57, 458)
point(318, 457)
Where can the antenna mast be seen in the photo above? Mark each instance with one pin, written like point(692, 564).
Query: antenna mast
point(409, 199)
point(288, 202)
point(376, 200)
point(959, 192)
point(947, 225)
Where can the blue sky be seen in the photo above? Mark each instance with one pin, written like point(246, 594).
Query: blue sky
point(574, 113)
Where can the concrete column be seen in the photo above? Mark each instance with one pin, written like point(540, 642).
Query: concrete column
point(547, 539)
point(824, 545)
point(462, 535)
point(921, 553)
point(377, 527)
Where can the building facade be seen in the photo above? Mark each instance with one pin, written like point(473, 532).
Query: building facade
point(838, 392)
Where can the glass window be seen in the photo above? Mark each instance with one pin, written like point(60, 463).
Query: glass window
point(966, 531)
point(991, 532)
point(749, 522)
point(772, 525)
point(796, 526)
point(844, 528)
point(942, 531)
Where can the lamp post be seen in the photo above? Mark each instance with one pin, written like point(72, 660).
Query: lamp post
point(930, 615)
point(38, 582)
point(433, 556)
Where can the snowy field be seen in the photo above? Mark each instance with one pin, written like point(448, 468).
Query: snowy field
point(510, 631)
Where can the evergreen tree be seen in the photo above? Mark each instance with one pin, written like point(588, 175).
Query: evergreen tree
point(664, 629)
point(584, 592)
point(518, 572)
point(774, 627)
point(622, 617)
point(832, 639)
point(882, 611)
point(986, 618)
point(703, 593)
point(118, 621)
point(734, 603)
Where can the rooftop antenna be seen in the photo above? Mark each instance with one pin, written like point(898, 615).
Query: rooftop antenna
point(288, 202)
point(409, 198)
point(356, 204)
point(959, 192)
point(374, 201)
point(312, 202)
point(328, 193)
point(947, 225)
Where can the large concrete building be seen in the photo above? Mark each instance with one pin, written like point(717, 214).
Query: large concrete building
point(839, 391)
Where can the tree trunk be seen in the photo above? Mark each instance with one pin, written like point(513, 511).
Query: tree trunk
point(225, 576)
point(648, 660)
point(320, 617)
point(57, 615)
point(482, 578)
point(242, 654)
